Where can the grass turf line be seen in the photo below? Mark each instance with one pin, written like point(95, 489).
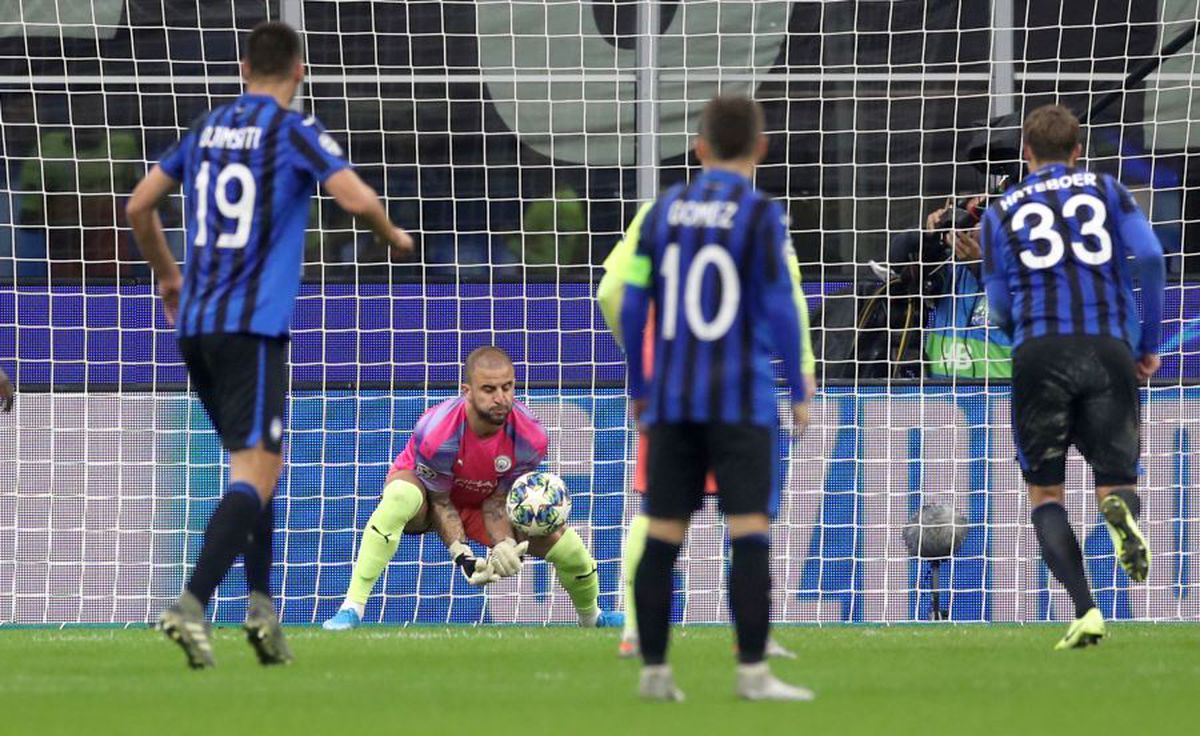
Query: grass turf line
point(981, 679)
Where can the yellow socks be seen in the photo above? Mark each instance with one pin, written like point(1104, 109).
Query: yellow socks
point(401, 501)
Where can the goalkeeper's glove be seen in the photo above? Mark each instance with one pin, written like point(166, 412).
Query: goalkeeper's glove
point(477, 572)
point(506, 557)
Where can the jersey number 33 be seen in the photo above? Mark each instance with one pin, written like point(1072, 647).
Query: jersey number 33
point(1046, 247)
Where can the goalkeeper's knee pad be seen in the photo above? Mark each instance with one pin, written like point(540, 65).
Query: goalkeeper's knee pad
point(401, 501)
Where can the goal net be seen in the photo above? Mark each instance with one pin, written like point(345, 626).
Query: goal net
point(517, 138)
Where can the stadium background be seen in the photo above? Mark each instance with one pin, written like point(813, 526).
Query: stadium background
point(517, 138)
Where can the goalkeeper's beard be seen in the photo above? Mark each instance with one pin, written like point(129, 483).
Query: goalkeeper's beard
point(496, 415)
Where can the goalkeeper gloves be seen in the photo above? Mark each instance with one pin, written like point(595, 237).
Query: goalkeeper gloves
point(506, 557)
point(477, 572)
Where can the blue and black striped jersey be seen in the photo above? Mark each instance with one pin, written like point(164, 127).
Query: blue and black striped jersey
point(248, 169)
point(713, 257)
point(1056, 251)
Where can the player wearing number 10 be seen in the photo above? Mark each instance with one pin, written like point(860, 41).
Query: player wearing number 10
point(712, 255)
point(1056, 253)
point(249, 169)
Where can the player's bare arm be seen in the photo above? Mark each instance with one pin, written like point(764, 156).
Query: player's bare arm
point(142, 212)
point(449, 527)
point(358, 198)
point(495, 517)
point(6, 391)
point(446, 520)
point(1147, 366)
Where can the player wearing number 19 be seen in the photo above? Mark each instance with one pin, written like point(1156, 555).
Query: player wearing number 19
point(249, 169)
point(1056, 268)
point(713, 256)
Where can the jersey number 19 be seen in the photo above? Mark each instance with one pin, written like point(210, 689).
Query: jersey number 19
point(240, 209)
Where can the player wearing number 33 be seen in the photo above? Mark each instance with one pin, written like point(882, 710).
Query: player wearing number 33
point(249, 169)
point(1056, 253)
point(453, 477)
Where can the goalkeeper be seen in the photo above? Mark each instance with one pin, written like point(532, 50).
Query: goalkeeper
point(453, 477)
point(610, 294)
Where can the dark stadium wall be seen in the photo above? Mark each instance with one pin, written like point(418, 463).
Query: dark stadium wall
point(850, 156)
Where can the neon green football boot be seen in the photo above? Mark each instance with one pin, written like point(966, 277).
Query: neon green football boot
point(1084, 631)
point(1130, 546)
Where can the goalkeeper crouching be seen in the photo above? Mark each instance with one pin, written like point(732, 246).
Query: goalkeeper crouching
point(610, 294)
point(453, 477)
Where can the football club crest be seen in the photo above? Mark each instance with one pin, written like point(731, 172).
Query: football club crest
point(503, 463)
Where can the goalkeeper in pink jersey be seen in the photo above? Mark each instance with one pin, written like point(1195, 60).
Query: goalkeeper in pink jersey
point(453, 477)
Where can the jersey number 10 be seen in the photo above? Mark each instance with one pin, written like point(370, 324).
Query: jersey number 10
point(731, 291)
point(1044, 230)
point(241, 209)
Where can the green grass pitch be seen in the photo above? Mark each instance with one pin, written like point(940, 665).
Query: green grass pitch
point(937, 679)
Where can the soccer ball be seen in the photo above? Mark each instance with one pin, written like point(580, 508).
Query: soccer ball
point(538, 504)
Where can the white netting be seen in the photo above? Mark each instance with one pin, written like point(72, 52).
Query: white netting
point(517, 137)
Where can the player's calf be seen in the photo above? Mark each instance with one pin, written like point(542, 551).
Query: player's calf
point(402, 500)
point(577, 573)
point(750, 594)
point(183, 622)
point(1061, 552)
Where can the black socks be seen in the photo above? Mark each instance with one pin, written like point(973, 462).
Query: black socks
point(1060, 550)
point(1132, 502)
point(258, 552)
point(224, 539)
point(750, 595)
point(652, 590)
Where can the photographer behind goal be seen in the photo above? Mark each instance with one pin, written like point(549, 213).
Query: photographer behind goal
point(943, 262)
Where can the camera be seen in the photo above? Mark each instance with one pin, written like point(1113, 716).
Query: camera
point(964, 214)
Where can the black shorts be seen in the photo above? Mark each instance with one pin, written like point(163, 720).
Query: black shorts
point(1080, 390)
point(241, 380)
point(742, 456)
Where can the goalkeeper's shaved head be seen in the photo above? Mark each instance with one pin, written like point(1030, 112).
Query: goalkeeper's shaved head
point(489, 358)
point(489, 381)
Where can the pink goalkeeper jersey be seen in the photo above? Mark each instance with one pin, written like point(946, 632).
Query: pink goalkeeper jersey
point(447, 456)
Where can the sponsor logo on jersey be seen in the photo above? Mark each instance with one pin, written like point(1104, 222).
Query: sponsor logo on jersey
point(473, 485)
point(503, 463)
